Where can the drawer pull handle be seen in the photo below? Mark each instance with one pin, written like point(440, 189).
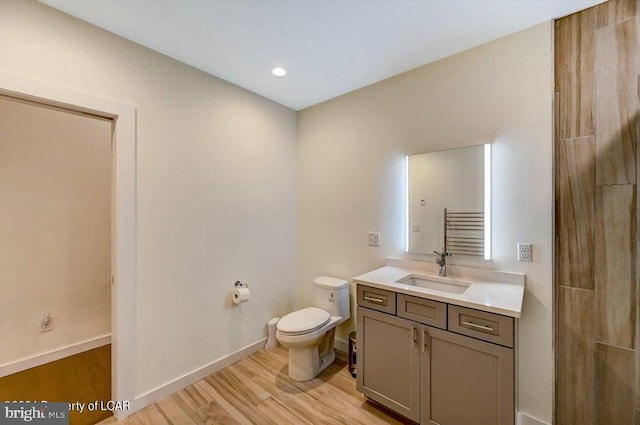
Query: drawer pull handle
point(373, 299)
point(476, 326)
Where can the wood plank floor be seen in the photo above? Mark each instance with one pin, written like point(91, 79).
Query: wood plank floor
point(84, 377)
point(258, 390)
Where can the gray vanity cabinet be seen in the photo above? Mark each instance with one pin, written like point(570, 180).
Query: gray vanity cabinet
point(464, 381)
point(435, 376)
point(388, 361)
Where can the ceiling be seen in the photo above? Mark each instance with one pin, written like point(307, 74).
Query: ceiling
point(328, 47)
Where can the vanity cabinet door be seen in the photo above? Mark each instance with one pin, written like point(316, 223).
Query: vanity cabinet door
point(465, 381)
point(388, 369)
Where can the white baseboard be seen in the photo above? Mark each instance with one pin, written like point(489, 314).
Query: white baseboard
point(169, 388)
point(53, 355)
point(524, 419)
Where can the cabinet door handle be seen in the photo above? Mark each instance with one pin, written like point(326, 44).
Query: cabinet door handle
point(415, 335)
point(373, 299)
point(476, 326)
point(425, 339)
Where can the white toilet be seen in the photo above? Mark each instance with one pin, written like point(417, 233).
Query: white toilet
point(309, 333)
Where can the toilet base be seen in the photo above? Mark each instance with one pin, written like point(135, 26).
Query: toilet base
point(306, 363)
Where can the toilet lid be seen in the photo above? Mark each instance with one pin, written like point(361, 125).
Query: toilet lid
point(303, 321)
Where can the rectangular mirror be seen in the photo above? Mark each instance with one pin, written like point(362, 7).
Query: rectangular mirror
point(449, 202)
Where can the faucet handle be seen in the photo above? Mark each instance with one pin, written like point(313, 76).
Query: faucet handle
point(442, 261)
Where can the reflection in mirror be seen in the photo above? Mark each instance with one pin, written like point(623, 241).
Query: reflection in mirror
point(449, 202)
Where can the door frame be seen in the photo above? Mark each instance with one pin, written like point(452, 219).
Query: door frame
point(123, 219)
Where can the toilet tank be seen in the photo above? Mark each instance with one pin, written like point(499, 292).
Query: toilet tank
point(332, 294)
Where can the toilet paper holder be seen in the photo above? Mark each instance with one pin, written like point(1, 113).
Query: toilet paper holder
point(239, 284)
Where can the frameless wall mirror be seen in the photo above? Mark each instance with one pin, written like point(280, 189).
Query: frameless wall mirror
point(449, 202)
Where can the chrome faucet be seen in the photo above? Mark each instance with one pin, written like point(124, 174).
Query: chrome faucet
point(442, 262)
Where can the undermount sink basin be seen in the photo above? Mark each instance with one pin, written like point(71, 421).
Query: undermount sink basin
point(436, 283)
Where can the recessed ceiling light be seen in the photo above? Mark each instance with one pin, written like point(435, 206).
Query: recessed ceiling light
point(279, 72)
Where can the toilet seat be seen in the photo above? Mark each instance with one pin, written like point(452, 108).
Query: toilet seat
point(303, 321)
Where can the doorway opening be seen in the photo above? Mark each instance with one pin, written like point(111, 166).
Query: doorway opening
point(122, 280)
point(55, 254)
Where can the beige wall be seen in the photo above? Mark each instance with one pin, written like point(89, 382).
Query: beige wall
point(351, 172)
point(55, 249)
point(215, 184)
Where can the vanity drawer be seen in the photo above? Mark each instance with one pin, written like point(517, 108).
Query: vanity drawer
point(429, 312)
point(377, 299)
point(482, 325)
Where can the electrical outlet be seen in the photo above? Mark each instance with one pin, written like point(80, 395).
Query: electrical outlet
point(46, 322)
point(415, 227)
point(374, 239)
point(524, 252)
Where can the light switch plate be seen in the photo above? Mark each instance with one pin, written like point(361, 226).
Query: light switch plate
point(524, 252)
point(374, 239)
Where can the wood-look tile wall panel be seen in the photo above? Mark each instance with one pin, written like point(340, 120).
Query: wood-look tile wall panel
point(615, 265)
point(575, 43)
point(616, 102)
point(615, 11)
point(575, 369)
point(637, 274)
point(575, 212)
point(613, 385)
point(597, 77)
point(637, 339)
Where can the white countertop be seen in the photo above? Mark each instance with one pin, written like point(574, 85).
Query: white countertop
point(494, 297)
